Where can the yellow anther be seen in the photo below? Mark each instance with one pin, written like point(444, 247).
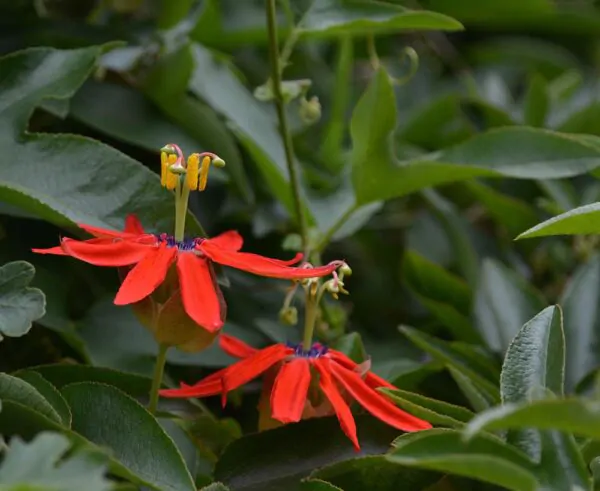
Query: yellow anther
point(172, 159)
point(191, 177)
point(172, 180)
point(204, 168)
point(164, 169)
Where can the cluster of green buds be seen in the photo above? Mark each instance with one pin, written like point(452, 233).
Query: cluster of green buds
point(314, 290)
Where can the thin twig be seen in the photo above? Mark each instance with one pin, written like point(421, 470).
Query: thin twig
point(283, 124)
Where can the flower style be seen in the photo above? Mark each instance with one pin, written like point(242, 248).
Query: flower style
point(152, 255)
point(337, 376)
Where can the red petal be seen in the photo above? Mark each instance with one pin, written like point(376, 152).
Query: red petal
point(147, 275)
point(374, 402)
point(199, 291)
point(231, 241)
point(249, 368)
point(58, 250)
point(235, 347)
point(101, 252)
point(263, 266)
point(372, 379)
point(210, 386)
point(342, 410)
point(289, 391)
point(133, 225)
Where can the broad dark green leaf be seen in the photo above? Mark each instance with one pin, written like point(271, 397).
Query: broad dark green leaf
point(446, 296)
point(20, 304)
point(64, 374)
point(534, 361)
point(13, 389)
point(125, 114)
point(448, 354)
point(338, 17)
point(98, 185)
point(432, 410)
point(110, 418)
point(519, 152)
point(375, 473)
point(579, 221)
point(485, 458)
point(49, 392)
point(503, 303)
point(268, 461)
point(580, 301)
point(40, 465)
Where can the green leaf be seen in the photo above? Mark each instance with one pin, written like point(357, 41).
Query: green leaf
point(513, 213)
point(503, 303)
point(375, 473)
point(62, 374)
point(89, 171)
point(478, 399)
point(261, 462)
point(16, 390)
point(20, 305)
point(579, 221)
point(446, 296)
point(351, 344)
point(537, 101)
point(49, 392)
point(124, 113)
point(580, 301)
point(434, 411)
point(40, 465)
point(519, 152)
point(452, 357)
point(216, 486)
point(317, 485)
point(534, 360)
point(110, 418)
point(578, 416)
point(485, 458)
point(200, 121)
point(338, 17)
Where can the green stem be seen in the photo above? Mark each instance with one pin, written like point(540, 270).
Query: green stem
point(159, 368)
point(324, 242)
point(283, 124)
point(182, 195)
point(310, 316)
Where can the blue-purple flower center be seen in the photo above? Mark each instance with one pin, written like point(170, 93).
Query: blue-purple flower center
point(315, 351)
point(187, 244)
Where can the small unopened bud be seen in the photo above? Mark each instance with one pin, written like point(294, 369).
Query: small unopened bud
point(218, 162)
point(310, 110)
point(345, 270)
point(289, 316)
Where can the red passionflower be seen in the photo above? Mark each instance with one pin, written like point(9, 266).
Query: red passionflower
point(153, 254)
point(338, 377)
